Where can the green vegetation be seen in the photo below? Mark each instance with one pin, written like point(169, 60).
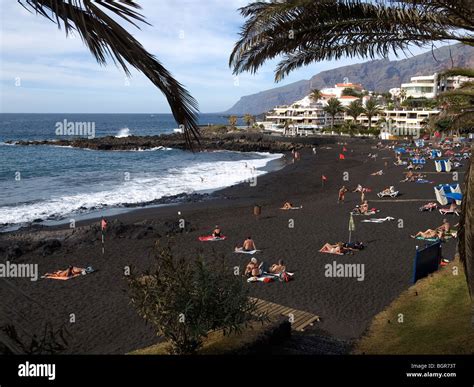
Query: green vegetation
point(422, 102)
point(372, 108)
point(458, 104)
point(349, 91)
point(315, 95)
point(355, 109)
point(233, 121)
point(184, 300)
point(216, 343)
point(329, 30)
point(249, 120)
point(333, 108)
point(436, 312)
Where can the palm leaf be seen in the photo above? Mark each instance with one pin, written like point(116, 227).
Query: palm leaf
point(306, 31)
point(106, 38)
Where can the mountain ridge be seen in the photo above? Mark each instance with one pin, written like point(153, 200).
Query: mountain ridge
point(377, 75)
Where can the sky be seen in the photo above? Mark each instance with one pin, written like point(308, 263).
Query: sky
point(43, 71)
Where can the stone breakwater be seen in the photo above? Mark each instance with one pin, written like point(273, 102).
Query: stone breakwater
point(240, 143)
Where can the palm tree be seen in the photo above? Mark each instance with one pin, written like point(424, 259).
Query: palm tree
point(333, 108)
point(372, 108)
point(355, 109)
point(233, 121)
point(315, 95)
point(249, 119)
point(107, 39)
point(333, 29)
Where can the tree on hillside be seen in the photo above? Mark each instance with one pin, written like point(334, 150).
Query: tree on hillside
point(315, 95)
point(96, 23)
point(249, 119)
point(333, 108)
point(355, 109)
point(372, 108)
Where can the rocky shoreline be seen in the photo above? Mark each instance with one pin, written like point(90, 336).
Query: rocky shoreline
point(245, 142)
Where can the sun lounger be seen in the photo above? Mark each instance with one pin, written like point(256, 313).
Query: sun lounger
point(391, 194)
point(448, 211)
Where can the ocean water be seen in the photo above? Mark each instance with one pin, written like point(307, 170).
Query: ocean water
point(50, 184)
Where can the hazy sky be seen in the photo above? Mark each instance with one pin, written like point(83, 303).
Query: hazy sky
point(192, 38)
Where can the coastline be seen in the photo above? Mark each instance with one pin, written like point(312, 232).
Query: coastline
point(346, 306)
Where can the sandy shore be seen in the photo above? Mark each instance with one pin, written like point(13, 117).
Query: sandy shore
point(106, 323)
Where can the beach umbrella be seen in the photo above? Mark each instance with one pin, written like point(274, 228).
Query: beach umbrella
point(351, 227)
point(103, 227)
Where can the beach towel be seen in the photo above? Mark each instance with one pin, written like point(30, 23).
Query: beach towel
point(428, 239)
point(210, 238)
point(64, 275)
point(378, 173)
point(292, 208)
point(423, 181)
point(270, 277)
point(245, 252)
point(378, 220)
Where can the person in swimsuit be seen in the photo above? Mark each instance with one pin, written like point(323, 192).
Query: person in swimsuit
point(342, 194)
point(364, 208)
point(217, 232)
point(278, 268)
point(252, 269)
point(248, 245)
point(287, 206)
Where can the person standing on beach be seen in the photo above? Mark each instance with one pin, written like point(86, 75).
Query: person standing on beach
point(342, 194)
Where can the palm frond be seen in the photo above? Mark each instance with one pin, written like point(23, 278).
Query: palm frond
point(106, 38)
point(306, 31)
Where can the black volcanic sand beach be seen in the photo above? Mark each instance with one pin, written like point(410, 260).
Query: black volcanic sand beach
point(106, 323)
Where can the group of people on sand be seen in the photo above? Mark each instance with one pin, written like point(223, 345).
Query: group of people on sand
point(343, 190)
point(254, 269)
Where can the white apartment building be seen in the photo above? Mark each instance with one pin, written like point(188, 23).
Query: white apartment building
point(424, 86)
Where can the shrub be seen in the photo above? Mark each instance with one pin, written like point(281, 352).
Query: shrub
point(184, 300)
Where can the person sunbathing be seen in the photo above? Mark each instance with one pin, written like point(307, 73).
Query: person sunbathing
point(387, 191)
point(252, 269)
point(338, 248)
point(248, 245)
point(287, 206)
point(428, 234)
point(217, 233)
point(364, 207)
point(378, 173)
point(452, 209)
point(410, 166)
point(278, 268)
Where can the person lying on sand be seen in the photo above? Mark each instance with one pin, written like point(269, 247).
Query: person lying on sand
point(217, 232)
point(449, 210)
point(248, 245)
point(364, 207)
point(278, 268)
point(252, 269)
point(287, 206)
point(338, 248)
point(429, 234)
point(378, 173)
